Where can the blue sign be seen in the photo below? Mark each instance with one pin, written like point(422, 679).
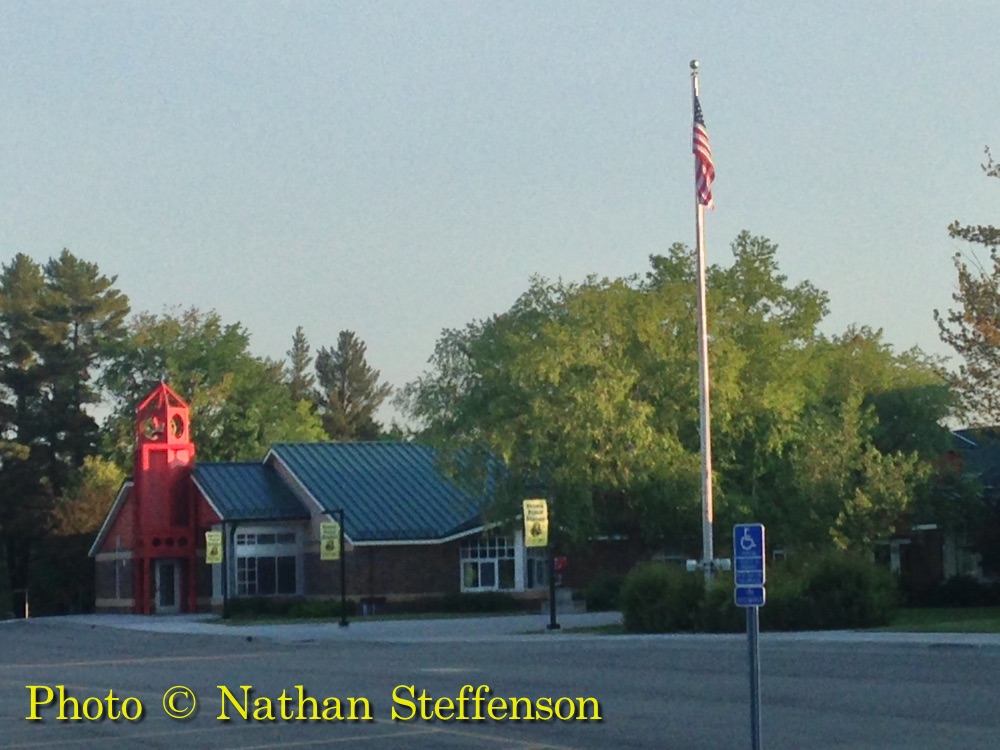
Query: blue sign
point(750, 596)
point(748, 564)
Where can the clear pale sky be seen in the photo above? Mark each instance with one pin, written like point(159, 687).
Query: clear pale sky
point(400, 168)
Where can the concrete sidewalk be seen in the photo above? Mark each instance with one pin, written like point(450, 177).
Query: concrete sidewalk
point(479, 629)
point(455, 629)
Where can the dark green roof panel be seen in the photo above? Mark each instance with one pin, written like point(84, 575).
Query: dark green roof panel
point(248, 492)
point(389, 491)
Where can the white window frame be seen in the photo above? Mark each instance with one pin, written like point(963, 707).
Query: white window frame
point(488, 552)
point(255, 542)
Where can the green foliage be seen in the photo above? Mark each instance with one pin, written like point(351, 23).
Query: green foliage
point(835, 590)
point(349, 391)
point(324, 609)
point(972, 329)
point(588, 393)
point(719, 613)
point(240, 403)
point(659, 599)
point(84, 506)
point(486, 601)
point(58, 326)
point(963, 591)
point(300, 379)
point(251, 607)
point(848, 591)
point(602, 593)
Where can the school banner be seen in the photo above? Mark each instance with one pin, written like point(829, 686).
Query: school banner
point(536, 523)
point(213, 547)
point(329, 540)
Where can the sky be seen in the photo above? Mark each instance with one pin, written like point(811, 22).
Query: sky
point(401, 168)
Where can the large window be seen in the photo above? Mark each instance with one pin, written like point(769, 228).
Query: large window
point(488, 564)
point(266, 562)
point(537, 568)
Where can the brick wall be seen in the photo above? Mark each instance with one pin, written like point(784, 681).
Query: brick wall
point(388, 571)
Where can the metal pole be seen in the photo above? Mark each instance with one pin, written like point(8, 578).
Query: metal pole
point(343, 575)
point(553, 625)
point(753, 639)
point(224, 572)
point(707, 511)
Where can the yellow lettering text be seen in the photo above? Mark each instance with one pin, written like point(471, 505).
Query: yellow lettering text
point(242, 709)
point(397, 699)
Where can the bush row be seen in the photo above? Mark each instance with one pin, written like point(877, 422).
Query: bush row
point(833, 591)
point(958, 591)
point(261, 606)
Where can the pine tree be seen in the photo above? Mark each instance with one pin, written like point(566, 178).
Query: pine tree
point(349, 391)
point(57, 325)
point(300, 380)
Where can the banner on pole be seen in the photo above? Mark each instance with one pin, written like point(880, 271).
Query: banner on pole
point(213, 547)
point(536, 523)
point(329, 540)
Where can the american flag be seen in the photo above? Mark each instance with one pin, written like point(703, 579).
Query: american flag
point(704, 169)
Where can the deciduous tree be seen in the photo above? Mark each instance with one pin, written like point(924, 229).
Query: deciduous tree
point(589, 393)
point(240, 403)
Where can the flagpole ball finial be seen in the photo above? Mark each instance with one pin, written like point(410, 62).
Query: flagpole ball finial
point(694, 65)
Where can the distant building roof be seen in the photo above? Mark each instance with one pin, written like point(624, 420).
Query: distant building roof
point(247, 492)
point(980, 450)
point(389, 491)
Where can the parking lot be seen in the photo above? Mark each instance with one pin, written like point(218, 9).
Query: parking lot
point(833, 691)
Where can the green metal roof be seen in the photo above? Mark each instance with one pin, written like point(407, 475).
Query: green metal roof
point(389, 491)
point(248, 492)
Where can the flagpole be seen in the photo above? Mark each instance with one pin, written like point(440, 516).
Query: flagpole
point(707, 511)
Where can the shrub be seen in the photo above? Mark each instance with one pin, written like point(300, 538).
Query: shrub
point(719, 613)
point(265, 606)
point(322, 609)
point(658, 599)
point(964, 591)
point(486, 601)
point(787, 607)
point(258, 606)
point(848, 591)
point(601, 594)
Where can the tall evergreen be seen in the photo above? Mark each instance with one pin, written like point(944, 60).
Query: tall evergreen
point(300, 379)
point(349, 391)
point(57, 326)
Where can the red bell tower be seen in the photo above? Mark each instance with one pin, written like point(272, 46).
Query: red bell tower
point(165, 518)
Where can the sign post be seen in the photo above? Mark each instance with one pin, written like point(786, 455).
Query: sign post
point(331, 546)
point(536, 534)
point(749, 577)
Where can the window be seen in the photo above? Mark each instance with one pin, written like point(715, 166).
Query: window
point(267, 563)
point(487, 564)
point(265, 576)
point(538, 568)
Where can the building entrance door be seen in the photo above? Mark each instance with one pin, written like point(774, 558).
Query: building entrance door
point(168, 587)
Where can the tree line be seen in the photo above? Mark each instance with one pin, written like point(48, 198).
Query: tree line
point(585, 393)
point(69, 348)
point(588, 395)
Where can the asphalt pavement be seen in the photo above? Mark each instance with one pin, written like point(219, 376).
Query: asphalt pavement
point(409, 682)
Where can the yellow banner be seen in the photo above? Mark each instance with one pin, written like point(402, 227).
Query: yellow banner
point(213, 547)
point(329, 540)
point(536, 523)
